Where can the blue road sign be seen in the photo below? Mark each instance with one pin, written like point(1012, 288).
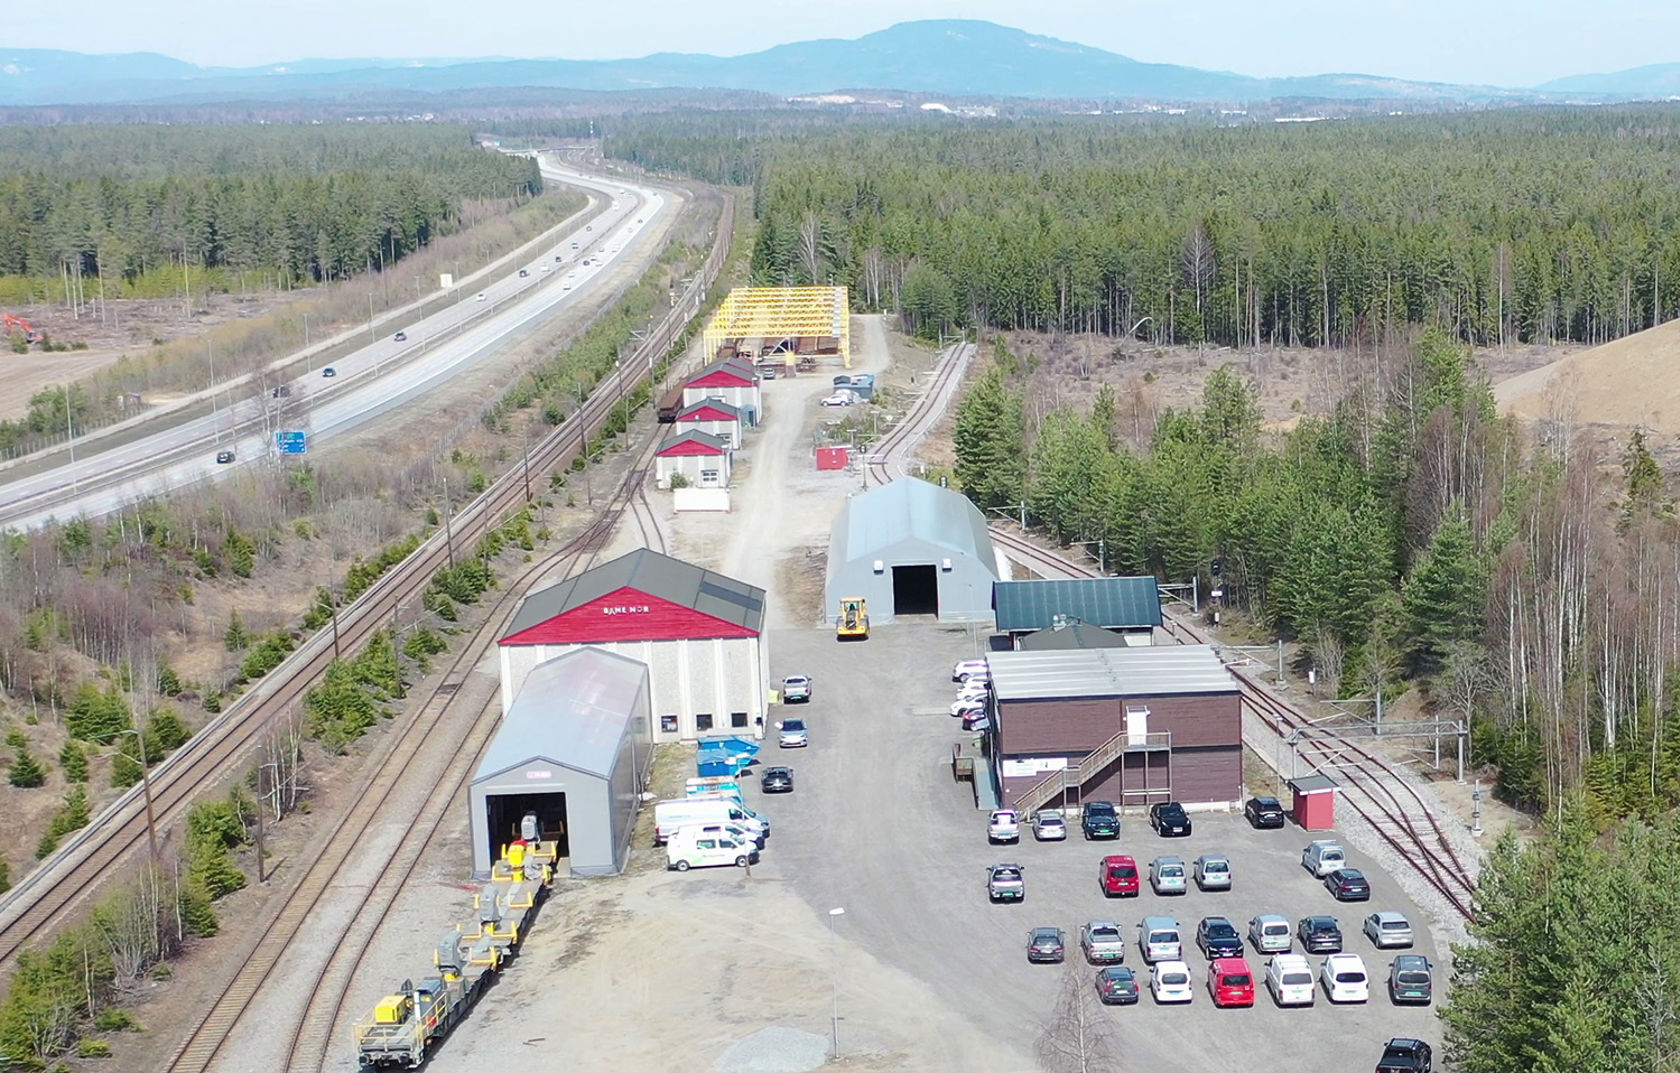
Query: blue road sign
point(292, 443)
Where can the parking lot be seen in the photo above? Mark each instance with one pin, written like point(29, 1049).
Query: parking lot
point(876, 825)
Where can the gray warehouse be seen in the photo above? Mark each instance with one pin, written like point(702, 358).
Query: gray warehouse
point(912, 548)
point(575, 748)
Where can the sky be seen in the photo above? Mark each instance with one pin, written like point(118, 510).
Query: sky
point(1497, 42)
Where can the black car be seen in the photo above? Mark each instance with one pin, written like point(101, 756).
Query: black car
point(1117, 986)
point(1348, 885)
point(401, 337)
point(329, 372)
point(523, 272)
point(1217, 938)
point(224, 457)
point(1406, 1056)
point(1169, 820)
point(1264, 812)
point(1045, 945)
point(284, 391)
point(1100, 819)
point(776, 780)
point(1320, 935)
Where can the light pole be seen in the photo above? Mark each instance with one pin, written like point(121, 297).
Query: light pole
point(146, 790)
point(834, 980)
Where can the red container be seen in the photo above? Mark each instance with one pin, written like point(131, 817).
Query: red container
point(833, 457)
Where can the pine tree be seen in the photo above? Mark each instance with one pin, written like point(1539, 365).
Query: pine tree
point(1445, 597)
point(236, 639)
point(27, 772)
point(72, 760)
point(988, 441)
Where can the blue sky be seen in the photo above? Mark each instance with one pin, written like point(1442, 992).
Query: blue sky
point(1506, 42)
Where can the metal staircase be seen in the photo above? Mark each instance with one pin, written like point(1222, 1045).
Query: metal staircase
point(1057, 782)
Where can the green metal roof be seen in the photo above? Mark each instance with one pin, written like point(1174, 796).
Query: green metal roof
point(1111, 603)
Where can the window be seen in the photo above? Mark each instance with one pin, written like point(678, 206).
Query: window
point(738, 719)
point(667, 724)
point(703, 721)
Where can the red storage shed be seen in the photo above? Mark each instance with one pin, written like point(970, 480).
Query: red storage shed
point(1315, 801)
point(833, 457)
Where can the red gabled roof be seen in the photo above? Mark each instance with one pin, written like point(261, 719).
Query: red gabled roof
point(709, 410)
point(720, 378)
point(693, 442)
point(626, 614)
point(639, 596)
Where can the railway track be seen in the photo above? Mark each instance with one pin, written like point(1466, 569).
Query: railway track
point(51, 894)
point(1376, 790)
point(887, 455)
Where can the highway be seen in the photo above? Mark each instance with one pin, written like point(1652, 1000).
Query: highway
point(355, 389)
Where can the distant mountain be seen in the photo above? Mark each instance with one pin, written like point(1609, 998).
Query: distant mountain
point(1656, 81)
point(955, 57)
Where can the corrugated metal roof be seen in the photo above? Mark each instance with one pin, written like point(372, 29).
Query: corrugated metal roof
point(1109, 602)
point(573, 710)
point(1313, 784)
point(1077, 635)
point(909, 509)
point(1160, 670)
point(657, 575)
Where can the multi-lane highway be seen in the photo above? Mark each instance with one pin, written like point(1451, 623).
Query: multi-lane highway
point(357, 388)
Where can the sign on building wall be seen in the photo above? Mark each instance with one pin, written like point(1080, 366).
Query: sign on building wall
point(1037, 765)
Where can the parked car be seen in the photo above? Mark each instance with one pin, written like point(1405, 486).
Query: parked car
point(1217, 938)
point(1402, 1055)
point(400, 337)
point(1322, 856)
point(1004, 826)
point(1268, 933)
point(796, 689)
point(1290, 980)
point(1006, 883)
point(839, 398)
point(1117, 986)
point(1049, 825)
point(1320, 935)
point(1102, 942)
point(1166, 875)
point(791, 734)
point(1264, 812)
point(1388, 929)
point(1169, 819)
point(1213, 872)
point(974, 687)
point(1045, 946)
point(1348, 885)
point(776, 780)
point(1411, 979)
point(966, 667)
point(1119, 877)
point(976, 720)
point(965, 707)
point(329, 372)
point(1169, 981)
point(1231, 982)
point(223, 457)
point(1160, 939)
point(1344, 979)
point(1100, 819)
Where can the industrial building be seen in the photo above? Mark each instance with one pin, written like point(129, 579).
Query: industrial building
point(911, 548)
point(729, 380)
point(702, 459)
point(1128, 725)
point(575, 749)
point(784, 324)
point(700, 634)
point(713, 417)
point(1127, 606)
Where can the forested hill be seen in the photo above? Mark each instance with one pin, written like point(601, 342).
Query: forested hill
point(308, 203)
point(1539, 224)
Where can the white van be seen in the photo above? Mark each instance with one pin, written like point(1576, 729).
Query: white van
point(1323, 856)
point(1344, 978)
point(748, 817)
point(732, 830)
point(668, 816)
point(1290, 980)
point(694, 847)
point(1158, 938)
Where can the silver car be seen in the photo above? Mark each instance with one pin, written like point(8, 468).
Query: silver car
point(1213, 872)
point(1049, 825)
point(1102, 942)
point(1269, 933)
point(1388, 929)
point(1166, 875)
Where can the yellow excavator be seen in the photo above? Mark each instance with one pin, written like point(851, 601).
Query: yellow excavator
point(853, 624)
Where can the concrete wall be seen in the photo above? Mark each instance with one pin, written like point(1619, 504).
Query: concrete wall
point(691, 467)
point(965, 591)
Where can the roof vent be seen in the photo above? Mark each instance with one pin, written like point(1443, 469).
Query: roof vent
point(880, 566)
point(945, 565)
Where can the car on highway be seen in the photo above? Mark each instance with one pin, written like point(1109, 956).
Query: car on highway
point(1160, 939)
point(223, 457)
point(1099, 819)
point(1049, 825)
point(544, 268)
point(329, 372)
point(1166, 876)
point(1169, 819)
point(1118, 876)
point(523, 273)
point(1263, 812)
point(1102, 942)
point(401, 337)
point(586, 262)
point(1045, 946)
point(776, 780)
point(1117, 986)
point(839, 398)
point(1212, 872)
point(965, 667)
point(1348, 885)
point(1217, 937)
point(1290, 980)
point(1319, 935)
point(284, 391)
point(574, 246)
point(589, 227)
point(796, 689)
point(791, 734)
point(1006, 883)
point(1268, 933)
point(1231, 982)
point(1388, 929)
point(1003, 826)
point(557, 256)
point(1401, 1055)
point(1169, 981)
point(1343, 978)
point(479, 297)
point(566, 286)
point(1411, 979)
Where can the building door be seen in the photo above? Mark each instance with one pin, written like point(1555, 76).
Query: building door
point(1137, 725)
point(915, 590)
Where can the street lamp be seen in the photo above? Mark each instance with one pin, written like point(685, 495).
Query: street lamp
point(834, 979)
point(146, 790)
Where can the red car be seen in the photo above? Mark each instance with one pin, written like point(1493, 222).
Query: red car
point(1119, 877)
point(1230, 982)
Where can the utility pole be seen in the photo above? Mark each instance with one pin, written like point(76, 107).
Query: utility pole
point(262, 803)
point(371, 337)
point(146, 790)
point(448, 527)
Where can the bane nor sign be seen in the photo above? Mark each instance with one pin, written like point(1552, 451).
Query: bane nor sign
point(627, 609)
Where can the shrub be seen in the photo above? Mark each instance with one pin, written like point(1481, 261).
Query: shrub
point(114, 1019)
point(168, 682)
point(268, 653)
point(27, 772)
point(72, 760)
point(93, 1048)
point(236, 639)
point(98, 715)
point(164, 734)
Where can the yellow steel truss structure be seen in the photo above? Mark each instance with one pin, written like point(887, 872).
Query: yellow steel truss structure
point(770, 315)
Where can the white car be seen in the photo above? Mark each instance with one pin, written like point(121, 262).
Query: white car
point(792, 734)
point(1289, 978)
point(1049, 825)
point(1005, 826)
point(796, 689)
point(963, 707)
point(1388, 929)
point(839, 398)
point(974, 690)
point(479, 297)
point(1169, 981)
point(1344, 979)
point(966, 667)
